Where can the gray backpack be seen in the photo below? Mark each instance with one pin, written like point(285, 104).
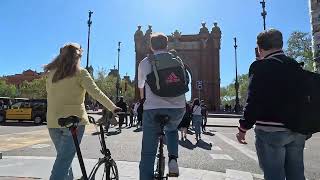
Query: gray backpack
point(169, 77)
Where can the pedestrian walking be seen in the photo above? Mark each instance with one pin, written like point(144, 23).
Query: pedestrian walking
point(140, 113)
point(269, 105)
point(66, 85)
point(135, 112)
point(131, 115)
point(185, 123)
point(123, 114)
point(197, 118)
point(204, 114)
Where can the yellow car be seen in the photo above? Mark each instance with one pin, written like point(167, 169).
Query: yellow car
point(34, 110)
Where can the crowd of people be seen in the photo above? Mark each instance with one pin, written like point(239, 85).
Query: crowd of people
point(279, 150)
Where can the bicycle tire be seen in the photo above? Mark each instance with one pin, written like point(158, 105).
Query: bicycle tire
point(101, 171)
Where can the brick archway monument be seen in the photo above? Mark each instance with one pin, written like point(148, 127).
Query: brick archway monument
point(199, 52)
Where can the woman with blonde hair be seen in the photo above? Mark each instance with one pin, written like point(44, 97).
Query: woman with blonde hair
point(67, 84)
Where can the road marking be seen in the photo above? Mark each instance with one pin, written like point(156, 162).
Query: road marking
point(238, 175)
point(241, 147)
point(39, 146)
point(221, 157)
point(216, 148)
point(258, 176)
point(19, 140)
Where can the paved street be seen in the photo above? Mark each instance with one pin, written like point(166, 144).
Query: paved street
point(26, 148)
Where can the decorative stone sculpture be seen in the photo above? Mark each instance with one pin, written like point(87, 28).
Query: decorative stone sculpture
point(147, 37)
point(176, 35)
point(216, 34)
point(204, 29)
point(138, 39)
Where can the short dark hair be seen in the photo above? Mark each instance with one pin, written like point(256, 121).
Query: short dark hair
point(158, 41)
point(270, 39)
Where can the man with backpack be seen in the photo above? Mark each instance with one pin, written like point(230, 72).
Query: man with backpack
point(163, 76)
point(272, 104)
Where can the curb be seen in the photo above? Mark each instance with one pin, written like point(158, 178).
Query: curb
point(227, 126)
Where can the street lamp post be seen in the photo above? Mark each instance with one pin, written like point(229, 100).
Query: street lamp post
point(264, 13)
point(237, 105)
point(89, 26)
point(118, 75)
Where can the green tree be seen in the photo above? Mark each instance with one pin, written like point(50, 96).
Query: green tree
point(7, 90)
point(107, 84)
point(300, 49)
point(228, 93)
point(34, 89)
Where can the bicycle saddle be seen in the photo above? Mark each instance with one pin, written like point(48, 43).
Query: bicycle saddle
point(162, 118)
point(63, 122)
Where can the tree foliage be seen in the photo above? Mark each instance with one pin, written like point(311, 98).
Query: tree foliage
point(107, 84)
point(228, 93)
point(35, 89)
point(300, 49)
point(7, 90)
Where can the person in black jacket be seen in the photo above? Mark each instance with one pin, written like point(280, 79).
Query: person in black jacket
point(271, 102)
point(123, 106)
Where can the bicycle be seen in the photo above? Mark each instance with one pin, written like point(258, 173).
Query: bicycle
point(159, 173)
point(106, 168)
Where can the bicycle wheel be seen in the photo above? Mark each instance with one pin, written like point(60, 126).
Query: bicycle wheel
point(106, 170)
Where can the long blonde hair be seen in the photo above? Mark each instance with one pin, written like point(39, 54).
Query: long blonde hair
point(66, 63)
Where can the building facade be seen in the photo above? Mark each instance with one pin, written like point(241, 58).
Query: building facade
point(18, 79)
point(200, 54)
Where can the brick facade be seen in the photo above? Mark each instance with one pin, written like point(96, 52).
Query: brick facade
point(18, 79)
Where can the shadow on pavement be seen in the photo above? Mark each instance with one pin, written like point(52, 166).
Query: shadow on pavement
point(112, 133)
point(208, 133)
point(138, 130)
point(187, 144)
point(204, 145)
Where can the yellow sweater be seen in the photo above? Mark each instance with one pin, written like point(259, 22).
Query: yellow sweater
point(66, 97)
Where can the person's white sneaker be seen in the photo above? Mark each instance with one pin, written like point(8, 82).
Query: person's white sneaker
point(173, 168)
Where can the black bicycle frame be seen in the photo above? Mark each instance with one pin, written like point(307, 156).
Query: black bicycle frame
point(73, 130)
point(105, 151)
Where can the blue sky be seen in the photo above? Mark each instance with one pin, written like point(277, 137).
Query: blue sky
point(32, 31)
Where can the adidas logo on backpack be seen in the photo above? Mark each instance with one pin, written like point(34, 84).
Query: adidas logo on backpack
point(172, 78)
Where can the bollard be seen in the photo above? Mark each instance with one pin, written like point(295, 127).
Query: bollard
point(0, 155)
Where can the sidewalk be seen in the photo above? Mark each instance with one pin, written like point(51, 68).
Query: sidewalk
point(32, 167)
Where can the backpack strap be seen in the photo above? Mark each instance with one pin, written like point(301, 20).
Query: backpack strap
point(184, 68)
point(152, 60)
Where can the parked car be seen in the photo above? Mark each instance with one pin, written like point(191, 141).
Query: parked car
point(33, 109)
point(5, 103)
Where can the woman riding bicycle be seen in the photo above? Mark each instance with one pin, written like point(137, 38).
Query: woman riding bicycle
point(67, 84)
